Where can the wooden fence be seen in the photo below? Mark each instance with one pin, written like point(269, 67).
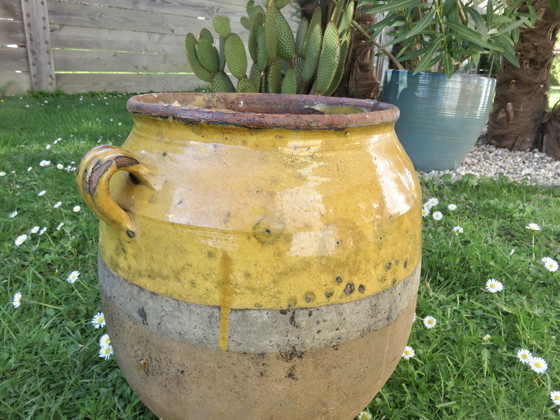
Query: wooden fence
point(103, 45)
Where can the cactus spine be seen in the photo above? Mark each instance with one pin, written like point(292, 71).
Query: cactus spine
point(311, 62)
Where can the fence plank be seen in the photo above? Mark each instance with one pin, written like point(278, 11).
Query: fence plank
point(10, 9)
point(12, 83)
point(13, 59)
point(74, 37)
point(107, 61)
point(95, 16)
point(11, 32)
point(39, 53)
point(206, 9)
point(76, 83)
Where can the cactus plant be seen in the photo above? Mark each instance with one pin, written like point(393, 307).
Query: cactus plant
point(310, 62)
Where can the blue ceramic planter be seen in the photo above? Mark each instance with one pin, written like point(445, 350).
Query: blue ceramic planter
point(441, 118)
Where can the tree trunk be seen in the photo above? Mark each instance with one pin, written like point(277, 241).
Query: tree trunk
point(521, 101)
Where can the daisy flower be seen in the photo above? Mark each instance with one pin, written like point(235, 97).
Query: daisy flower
point(16, 300)
point(437, 215)
point(457, 230)
point(430, 322)
point(60, 225)
point(364, 415)
point(452, 207)
point(538, 364)
point(57, 204)
point(59, 166)
point(550, 264)
point(408, 353)
point(425, 211)
point(105, 352)
point(494, 286)
point(20, 239)
point(43, 230)
point(2, 173)
point(533, 226)
point(72, 277)
point(104, 341)
point(41, 193)
point(98, 320)
point(13, 214)
point(432, 202)
point(34, 229)
point(525, 356)
point(45, 163)
point(555, 397)
point(487, 337)
point(76, 209)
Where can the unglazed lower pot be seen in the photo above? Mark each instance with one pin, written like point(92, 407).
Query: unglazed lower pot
point(259, 255)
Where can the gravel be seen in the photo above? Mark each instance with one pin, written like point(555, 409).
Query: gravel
point(532, 167)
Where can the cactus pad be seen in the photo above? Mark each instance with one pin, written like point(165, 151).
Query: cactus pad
point(222, 26)
point(236, 57)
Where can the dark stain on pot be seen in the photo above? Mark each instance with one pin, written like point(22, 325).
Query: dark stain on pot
point(293, 320)
point(130, 233)
point(292, 373)
point(97, 172)
point(394, 281)
point(338, 279)
point(125, 161)
point(329, 294)
point(291, 354)
point(292, 302)
point(283, 312)
point(210, 254)
point(361, 288)
point(349, 289)
point(133, 179)
point(388, 265)
point(268, 230)
point(405, 264)
point(142, 314)
point(309, 297)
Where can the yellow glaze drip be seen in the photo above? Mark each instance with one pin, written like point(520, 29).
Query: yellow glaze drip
point(227, 293)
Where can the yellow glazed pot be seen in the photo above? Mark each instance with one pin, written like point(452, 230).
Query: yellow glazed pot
point(259, 255)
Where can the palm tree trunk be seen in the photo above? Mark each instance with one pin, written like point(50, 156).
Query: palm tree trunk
point(521, 101)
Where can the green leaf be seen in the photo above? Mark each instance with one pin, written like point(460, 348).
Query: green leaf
point(389, 6)
point(427, 59)
point(523, 22)
point(479, 23)
point(508, 51)
point(472, 36)
point(447, 65)
point(418, 28)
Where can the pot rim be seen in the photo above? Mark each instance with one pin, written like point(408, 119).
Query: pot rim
point(246, 110)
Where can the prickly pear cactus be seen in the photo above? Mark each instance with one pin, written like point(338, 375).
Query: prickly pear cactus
point(311, 61)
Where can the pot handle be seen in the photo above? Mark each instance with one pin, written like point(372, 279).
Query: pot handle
point(95, 171)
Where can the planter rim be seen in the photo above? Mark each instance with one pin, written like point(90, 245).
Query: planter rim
point(265, 110)
point(438, 74)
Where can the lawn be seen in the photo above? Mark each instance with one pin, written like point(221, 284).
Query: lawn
point(463, 361)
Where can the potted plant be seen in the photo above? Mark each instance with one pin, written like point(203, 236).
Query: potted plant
point(436, 45)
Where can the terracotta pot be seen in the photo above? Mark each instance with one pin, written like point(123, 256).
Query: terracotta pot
point(259, 255)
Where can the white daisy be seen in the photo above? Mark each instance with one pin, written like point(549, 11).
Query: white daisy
point(20, 239)
point(57, 204)
point(364, 415)
point(60, 225)
point(408, 353)
point(45, 163)
point(550, 264)
point(452, 207)
point(59, 166)
point(538, 364)
point(524, 355)
point(104, 340)
point(72, 277)
point(425, 211)
point(487, 337)
point(432, 202)
point(555, 397)
point(34, 229)
point(457, 230)
point(98, 320)
point(76, 209)
point(437, 215)
point(13, 214)
point(2, 173)
point(430, 322)
point(16, 300)
point(105, 352)
point(41, 193)
point(533, 226)
point(494, 286)
point(43, 230)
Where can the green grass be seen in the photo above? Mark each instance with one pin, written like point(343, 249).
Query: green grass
point(49, 363)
